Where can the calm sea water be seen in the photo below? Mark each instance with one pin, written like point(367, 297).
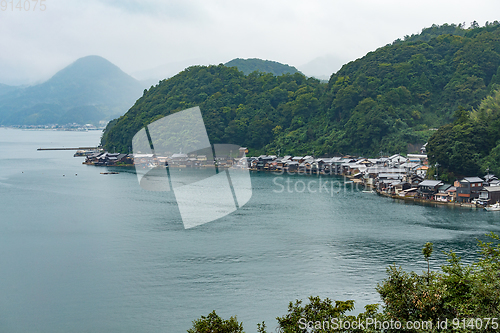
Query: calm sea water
point(86, 252)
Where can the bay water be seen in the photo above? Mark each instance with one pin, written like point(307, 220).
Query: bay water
point(85, 252)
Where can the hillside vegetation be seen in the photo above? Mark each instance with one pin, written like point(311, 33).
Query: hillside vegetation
point(471, 144)
point(395, 96)
point(248, 66)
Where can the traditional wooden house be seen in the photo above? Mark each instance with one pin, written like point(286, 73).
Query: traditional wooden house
point(428, 188)
point(489, 195)
point(443, 194)
point(468, 188)
point(292, 166)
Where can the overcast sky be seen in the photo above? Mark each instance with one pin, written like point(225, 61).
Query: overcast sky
point(137, 35)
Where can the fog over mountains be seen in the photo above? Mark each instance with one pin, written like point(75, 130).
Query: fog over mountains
point(89, 90)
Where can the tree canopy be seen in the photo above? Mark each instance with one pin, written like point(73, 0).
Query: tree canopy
point(470, 146)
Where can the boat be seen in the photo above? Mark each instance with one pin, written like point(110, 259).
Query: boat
point(368, 191)
point(109, 173)
point(494, 207)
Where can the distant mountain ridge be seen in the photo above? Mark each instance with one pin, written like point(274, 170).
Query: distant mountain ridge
point(248, 66)
point(89, 90)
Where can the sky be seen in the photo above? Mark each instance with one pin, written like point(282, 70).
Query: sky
point(150, 38)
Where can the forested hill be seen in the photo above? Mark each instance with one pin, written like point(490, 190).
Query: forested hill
point(248, 66)
point(392, 97)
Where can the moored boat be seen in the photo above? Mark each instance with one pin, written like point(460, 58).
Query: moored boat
point(494, 207)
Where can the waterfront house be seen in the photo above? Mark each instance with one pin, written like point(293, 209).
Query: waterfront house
point(400, 186)
point(428, 188)
point(178, 160)
point(443, 194)
point(411, 192)
point(468, 188)
point(489, 195)
point(292, 166)
point(201, 159)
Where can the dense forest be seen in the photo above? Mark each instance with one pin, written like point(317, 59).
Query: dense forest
point(460, 297)
point(390, 98)
point(471, 144)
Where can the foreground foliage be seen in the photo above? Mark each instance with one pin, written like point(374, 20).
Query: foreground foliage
point(459, 298)
point(215, 324)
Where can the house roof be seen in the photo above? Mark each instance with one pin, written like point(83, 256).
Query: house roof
point(473, 179)
point(179, 156)
point(413, 189)
point(431, 183)
point(397, 156)
point(389, 175)
point(444, 188)
point(492, 188)
point(419, 156)
point(378, 169)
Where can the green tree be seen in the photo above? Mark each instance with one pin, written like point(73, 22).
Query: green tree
point(427, 252)
point(215, 324)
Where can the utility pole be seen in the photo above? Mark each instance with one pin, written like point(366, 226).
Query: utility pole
point(437, 170)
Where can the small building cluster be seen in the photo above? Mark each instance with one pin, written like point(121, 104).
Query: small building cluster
point(178, 159)
point(396, 175)
point(108, 159)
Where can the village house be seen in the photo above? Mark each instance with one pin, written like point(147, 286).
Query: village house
point(422, 171)
point(489, 195)
point(396, 160)
point(428, 188)
point(443, 194)
point(468, 189)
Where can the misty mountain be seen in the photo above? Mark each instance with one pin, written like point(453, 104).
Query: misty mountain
point(322, 67)
point(5, 89)
point(248, 66)
point(89, 90)
point(152, 76)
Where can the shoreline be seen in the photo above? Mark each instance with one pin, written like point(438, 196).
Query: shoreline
point(429, 202)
